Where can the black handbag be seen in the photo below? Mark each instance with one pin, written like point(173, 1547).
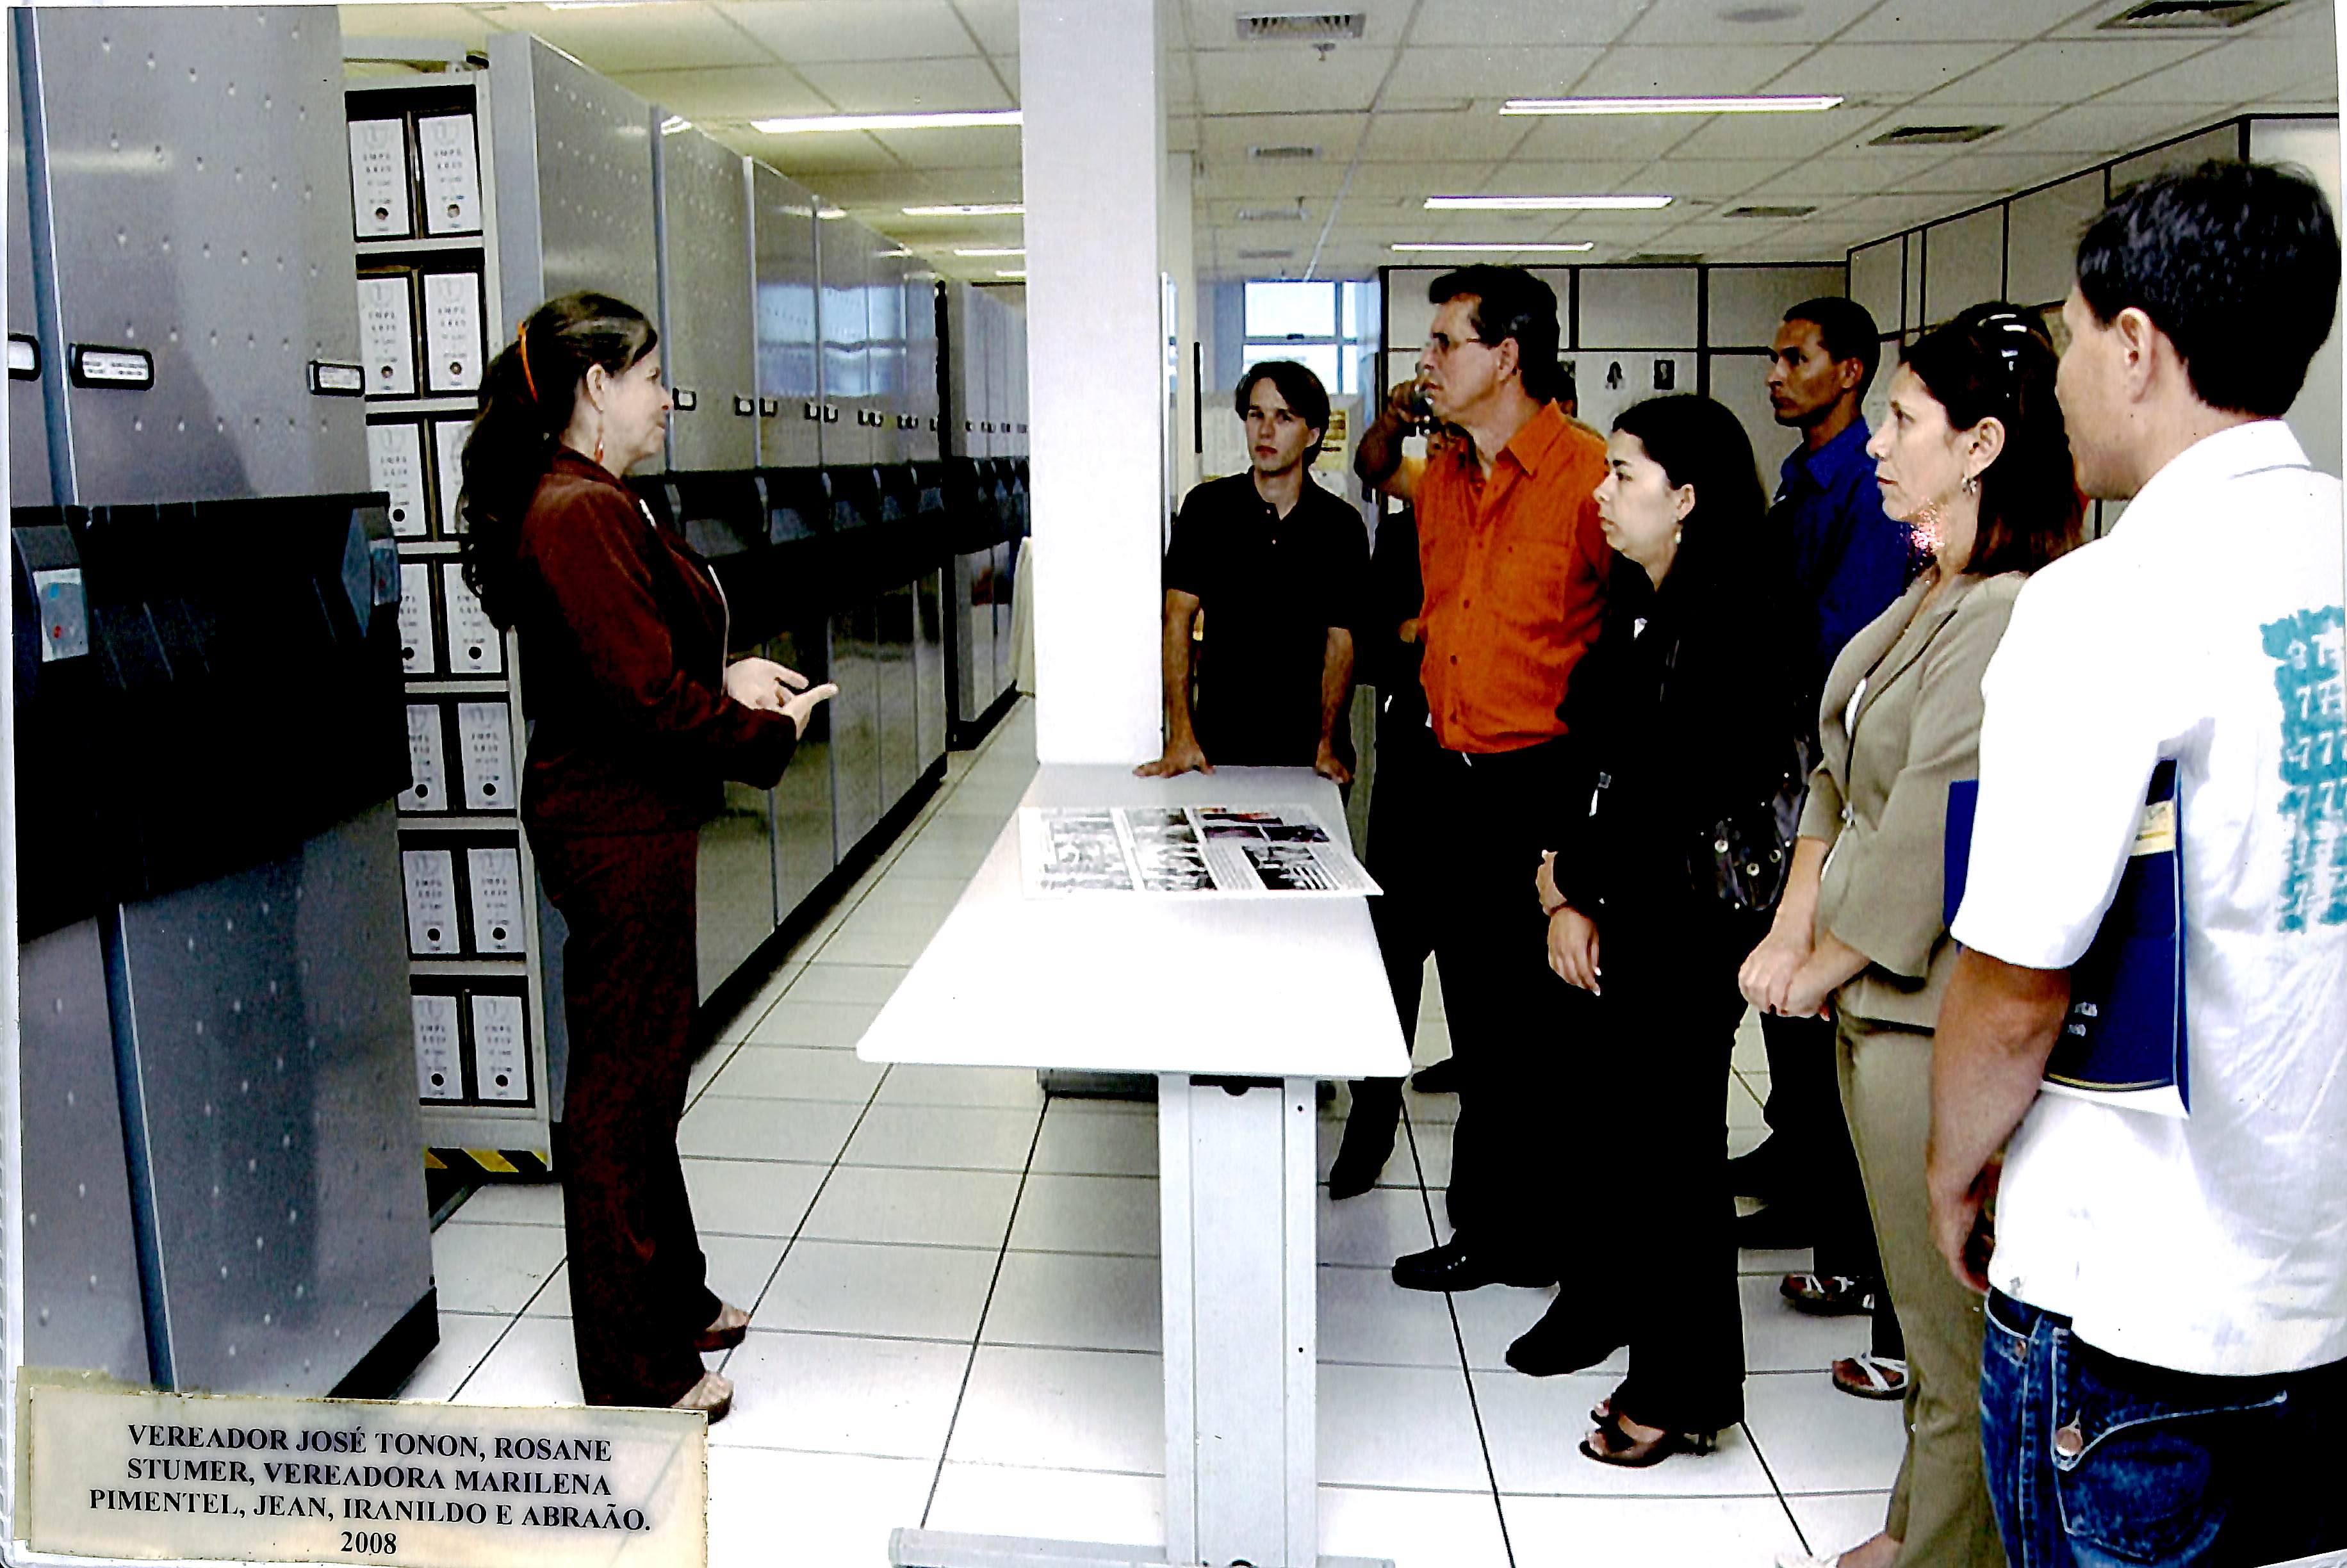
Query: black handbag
point(1743, 858)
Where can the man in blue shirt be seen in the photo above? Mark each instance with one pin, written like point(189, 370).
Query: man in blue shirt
point(1850, 562)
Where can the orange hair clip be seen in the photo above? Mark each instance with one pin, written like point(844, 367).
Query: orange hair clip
point(521, 342)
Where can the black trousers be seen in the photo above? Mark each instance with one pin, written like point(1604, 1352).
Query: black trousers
point(1652, 1068)
point(637, 1291)
point(1475, 840)
point(1403, 916)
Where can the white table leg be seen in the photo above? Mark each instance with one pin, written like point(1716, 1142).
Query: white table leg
point(1237, 1180)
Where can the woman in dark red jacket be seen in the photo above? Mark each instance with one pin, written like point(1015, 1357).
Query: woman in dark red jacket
point(636, 720)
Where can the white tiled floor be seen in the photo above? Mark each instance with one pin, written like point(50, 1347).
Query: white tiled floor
point(955, 1299)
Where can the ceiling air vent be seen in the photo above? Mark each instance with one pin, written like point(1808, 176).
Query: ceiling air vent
point(1270, 214)
point(1766, 212)
point(2197, 13)
point(1663, 259)
point(1933, 135)
point(1267, 255)
point(1298, 26)
point(1282, 154)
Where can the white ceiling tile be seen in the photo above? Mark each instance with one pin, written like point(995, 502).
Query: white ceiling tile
point(1884, 73)
point(1788, 136)
point(1716, 22)
point(737, 92)
point(2074, 69)
point(677, 34)
point(995, 23)
point(1441, 73)
point(1605, 137)
point(1876, 216)
point(2247, 71)
point(1930, 21)
point(1994, 174)
point(907, 86)
point(1405, 136)
point(990, 147)
point(1708, 179)
point(804, 30)
point(1686, 68)
point(1527, 177)
point(2106, 129)
point(1262, 79)
point(807, 158)
point(1252, 182)
point(1419, 179)
point(1525, 22)
point(1223, 138)
point(460, 24)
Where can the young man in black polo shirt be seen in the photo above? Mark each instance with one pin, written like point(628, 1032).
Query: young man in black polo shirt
point(1261, 584)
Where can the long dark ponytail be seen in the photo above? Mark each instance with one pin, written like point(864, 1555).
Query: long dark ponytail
point(527, 399)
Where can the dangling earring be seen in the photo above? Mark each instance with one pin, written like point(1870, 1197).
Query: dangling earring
point(1972, 484)
point(1678, 534)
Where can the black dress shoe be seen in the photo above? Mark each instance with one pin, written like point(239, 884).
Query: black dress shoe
point(1561, 1341)
point(1360, 1161)
point(1779, 1227)
point(1455, 1266)
point(1437, 1078)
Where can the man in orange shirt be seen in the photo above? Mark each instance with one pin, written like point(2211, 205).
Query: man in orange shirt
point(1515, 566)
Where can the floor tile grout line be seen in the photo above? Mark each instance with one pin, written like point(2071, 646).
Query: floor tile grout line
point(978, 1335)
point(1459, 1338)
point(1774, 1485)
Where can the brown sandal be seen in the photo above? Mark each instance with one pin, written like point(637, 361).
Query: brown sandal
point(1614, 1445)
point(732, 1324)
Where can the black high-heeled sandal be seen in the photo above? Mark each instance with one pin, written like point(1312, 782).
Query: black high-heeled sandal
point(1617, 1447)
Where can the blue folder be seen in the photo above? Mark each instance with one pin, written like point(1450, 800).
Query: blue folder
point(2125, 1039)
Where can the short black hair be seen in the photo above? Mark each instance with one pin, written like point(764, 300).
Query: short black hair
point(1566, 389)
point(1847, 331)
point(2237, 263)
point(1298, 388)
point(1510, 303)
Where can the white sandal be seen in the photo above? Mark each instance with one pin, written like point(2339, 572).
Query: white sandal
point(1872, 1376)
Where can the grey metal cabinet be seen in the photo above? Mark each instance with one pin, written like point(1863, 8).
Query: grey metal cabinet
point(789, 370)
point(804, 852)
point(706, 332)
point(921, 420)
point(844, 267)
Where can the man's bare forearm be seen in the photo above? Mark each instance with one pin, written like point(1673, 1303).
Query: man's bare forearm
point(1335, 682)
point(1175, 660)
point(1998, 1023)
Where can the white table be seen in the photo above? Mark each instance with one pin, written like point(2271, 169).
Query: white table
point(1239, 1006)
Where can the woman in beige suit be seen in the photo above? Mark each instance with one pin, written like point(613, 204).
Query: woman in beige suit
point(1974, 458)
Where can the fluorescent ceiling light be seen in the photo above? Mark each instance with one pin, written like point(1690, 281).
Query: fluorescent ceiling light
point(674, 123)
point(1545, 247)
point(1545, 203)
point(970, 209)
point(592, 4)
point(1017, 273)
point(993, 250)
point(828, 213)
point(1761, 103)
point(794, 125)
point(899, 251)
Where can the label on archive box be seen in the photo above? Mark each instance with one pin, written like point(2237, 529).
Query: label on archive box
point(431, 877)
point(452, 174)
point(448, 468)
point(476, 646)
point(495, 875)
point(395, 467)
point(438, 1075)
point(452, 330)
point(500, 1065)
point(125, 1474)
point(485, 740)
point(379, 179)
point(387, 335)
point(415, 654)
point(428, 789)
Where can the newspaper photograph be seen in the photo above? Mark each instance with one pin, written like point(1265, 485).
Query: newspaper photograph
point(1212, 851)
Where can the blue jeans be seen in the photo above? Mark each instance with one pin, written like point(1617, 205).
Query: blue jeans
point(2094, 1461)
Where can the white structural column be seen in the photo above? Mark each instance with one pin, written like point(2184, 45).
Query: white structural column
point(1181, 263)
point(1095, 159)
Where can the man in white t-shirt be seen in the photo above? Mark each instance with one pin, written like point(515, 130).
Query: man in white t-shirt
point(2165, 1380)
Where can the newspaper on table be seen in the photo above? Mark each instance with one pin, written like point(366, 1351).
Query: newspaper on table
point(1209, 851)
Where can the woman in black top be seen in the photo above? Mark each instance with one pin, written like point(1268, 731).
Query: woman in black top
point(1681, 716)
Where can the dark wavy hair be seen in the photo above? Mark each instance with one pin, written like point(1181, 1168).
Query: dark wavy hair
point(2237, 263)
point(1298, 388)
point(527, 399)
point(1698, 442)
point(1993, 361)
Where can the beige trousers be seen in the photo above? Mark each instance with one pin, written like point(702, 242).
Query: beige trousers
point(1940, 1507)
